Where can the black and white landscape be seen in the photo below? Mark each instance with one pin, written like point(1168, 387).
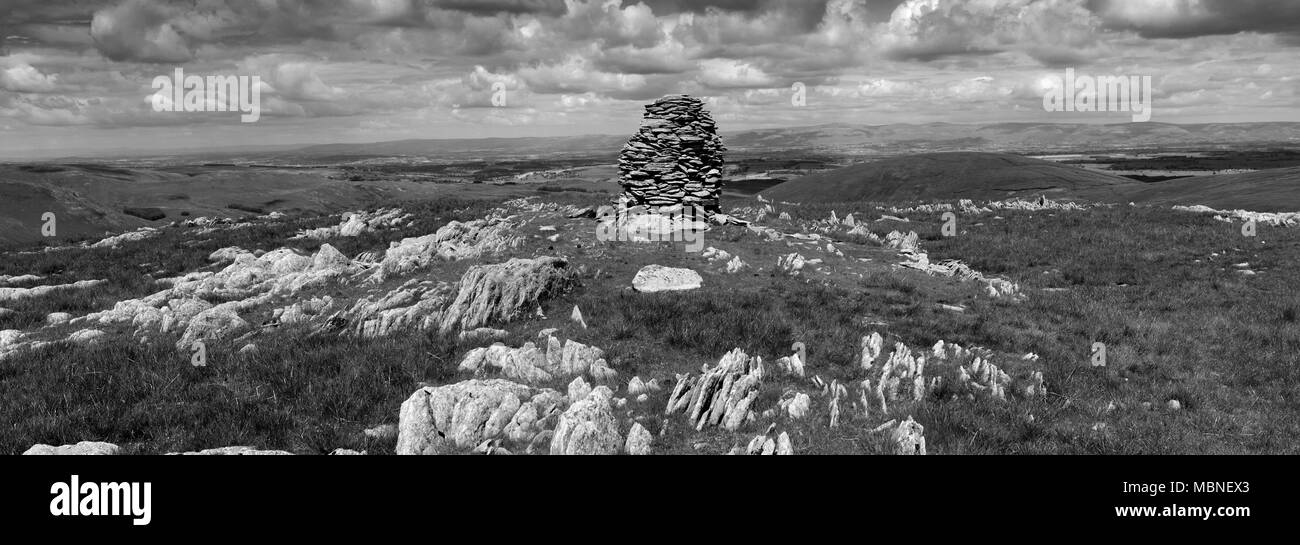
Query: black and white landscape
point(649, 227)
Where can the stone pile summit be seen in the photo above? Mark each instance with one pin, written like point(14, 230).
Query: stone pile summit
point(675, 158)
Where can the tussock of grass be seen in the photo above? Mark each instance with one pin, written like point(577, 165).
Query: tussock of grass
point(299, 393)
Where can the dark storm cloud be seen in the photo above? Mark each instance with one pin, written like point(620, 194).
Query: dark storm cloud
point(810, 12)
point(19, 12)
point(1189, 18)
point(489, 7)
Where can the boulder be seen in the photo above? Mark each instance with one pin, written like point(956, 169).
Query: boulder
point(452, 242)
point(908, 438)
point(500, 292)
point(721, 396)
point(636, 387)
point(86, 336)
point(656, 278)
point(588, 426)
point(764, 445)
point(791, 264)
point(871, 347)
point(796, 405)
point(215, 323)
point(576, 318)
point(735, 265)
point(438, 420)
point(578, 390)
point(482, 334)
point(639, 440)
point(783, 446)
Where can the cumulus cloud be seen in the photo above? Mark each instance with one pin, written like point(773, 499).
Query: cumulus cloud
point(577, 74)
point(1045, 29)
point(587, 64)
point(139, 30)
point(733, 74)
point(290, 78)
point(23, 78)
point(669, 57)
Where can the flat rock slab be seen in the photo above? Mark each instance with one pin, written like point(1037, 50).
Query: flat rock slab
point(656, 278)
point(84, 448)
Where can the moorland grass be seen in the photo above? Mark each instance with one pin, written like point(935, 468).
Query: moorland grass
point(1225, 345)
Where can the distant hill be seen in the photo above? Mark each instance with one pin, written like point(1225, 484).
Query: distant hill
point(932, 176)
point(593, 144)
point(1013, 137)
point(850, 139)
point(836, 138)
point(1273, 190)
point(90, 200)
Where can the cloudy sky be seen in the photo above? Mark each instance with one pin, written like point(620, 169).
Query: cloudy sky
point(76, 75)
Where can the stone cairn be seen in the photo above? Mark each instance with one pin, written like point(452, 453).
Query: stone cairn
point(675, 158)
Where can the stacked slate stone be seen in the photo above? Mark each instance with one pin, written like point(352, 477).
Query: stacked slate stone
point(675, 158)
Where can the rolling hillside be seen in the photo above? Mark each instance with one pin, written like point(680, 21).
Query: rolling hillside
point(91, 200)
point(1273, 190)
point(934, 176)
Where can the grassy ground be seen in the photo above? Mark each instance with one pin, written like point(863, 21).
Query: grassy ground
point(1223, 344)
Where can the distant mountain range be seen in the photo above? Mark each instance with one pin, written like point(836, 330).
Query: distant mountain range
point(838, 138)
point(874, 139)
point(1016, 137)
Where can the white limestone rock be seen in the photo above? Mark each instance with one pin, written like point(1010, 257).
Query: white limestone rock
point(722, 395)
point(130, 236)
point(346, 452)
point(15, 294)
point(871, 347)
point(437, 420)
point(236, 451)
point(452, 242)
point(482, 334)
point(783, 445)
point(791, 264)
point(213, 324)
point(908, 438)
point(791, 365)
point(500, 292)
point(735, 265)
point(86, 336)
point(576, 318)
point(639, 440)
point(578, 390)
point(796, 405)
point(84, 448)
point(588, 427)
point(657, 278)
